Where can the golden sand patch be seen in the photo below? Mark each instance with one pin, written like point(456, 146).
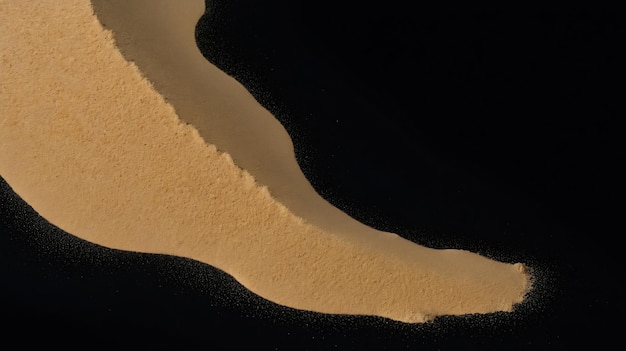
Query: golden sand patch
point(92, 146)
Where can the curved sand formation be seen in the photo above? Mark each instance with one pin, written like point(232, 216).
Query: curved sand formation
point(91, 145)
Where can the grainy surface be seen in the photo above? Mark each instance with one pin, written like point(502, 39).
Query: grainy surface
point(90, 144)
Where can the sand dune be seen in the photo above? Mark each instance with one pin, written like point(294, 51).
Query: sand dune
point(97, 145)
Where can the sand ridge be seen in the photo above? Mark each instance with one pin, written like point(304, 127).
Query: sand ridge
point(158, 36)
point(90, 143)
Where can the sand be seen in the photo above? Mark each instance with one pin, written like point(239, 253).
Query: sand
point(97, 145)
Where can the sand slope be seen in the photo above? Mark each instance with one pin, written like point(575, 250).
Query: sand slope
point(93, 147)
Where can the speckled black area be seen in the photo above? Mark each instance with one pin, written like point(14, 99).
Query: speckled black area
point(488, 129)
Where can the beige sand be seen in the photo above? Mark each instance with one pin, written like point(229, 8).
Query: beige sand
point(89, 143)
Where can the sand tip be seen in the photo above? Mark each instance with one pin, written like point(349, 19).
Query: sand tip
point(520, 267)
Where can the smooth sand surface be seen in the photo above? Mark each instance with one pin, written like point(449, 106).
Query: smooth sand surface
point(95, 148)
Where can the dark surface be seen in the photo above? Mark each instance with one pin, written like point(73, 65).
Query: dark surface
point(488, 129)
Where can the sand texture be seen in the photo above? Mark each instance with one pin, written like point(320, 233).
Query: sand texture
point(89, 141)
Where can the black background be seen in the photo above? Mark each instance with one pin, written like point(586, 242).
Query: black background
point(490, 129)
